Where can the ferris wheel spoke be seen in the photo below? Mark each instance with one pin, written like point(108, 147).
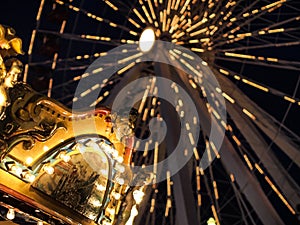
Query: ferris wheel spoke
point(268, 30)
point(261, 46)
point(228, 16)
point(123, 6)
point(111, 5)
point(294, 8)
point(264, 59)
point(94, 17)
point(268, 160)
point(250, 16)
point(259, 86)
point(260, 63)
point(288, 31)
point(87, 38)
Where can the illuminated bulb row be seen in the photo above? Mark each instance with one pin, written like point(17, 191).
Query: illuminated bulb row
point(176, 54)
point(234, 20)
point(109, 150)
point(198, 179)
point(249, 164)
point(169, 201)
point(245, 56)
point(260, 87)
point(111, 5)
point(260, 170)
point(242, 36)
point(171, 24)
point(98, 38)
point(275, 189)
point(90, 15)
point(29, 177)
point(79, 57)
point(232, 101)
point(213, 147)
point(11, 215)
point(18, 171)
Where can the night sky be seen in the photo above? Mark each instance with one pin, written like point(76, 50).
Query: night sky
point(21, 16)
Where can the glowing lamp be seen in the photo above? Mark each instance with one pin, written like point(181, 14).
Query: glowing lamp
point(147, 40)
point(211, 221)
point(10, 214)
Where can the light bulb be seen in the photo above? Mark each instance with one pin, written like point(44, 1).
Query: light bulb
point(120, 180)
point(138, 196)
point(211, 221)
point(10, 214)
point(16, 170)
point(96, 203)
point(29, 160)
point(30, 177)
point(120, 159)
point(100, 187)
point(147, 40)
point(115, 154)
point(65, 157)
point(116, 195)
point(49, 170)
point(111, 211)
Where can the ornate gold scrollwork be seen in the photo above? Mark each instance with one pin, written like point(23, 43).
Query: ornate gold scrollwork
point(11, 68)
point(20, 115)
point(25, 121)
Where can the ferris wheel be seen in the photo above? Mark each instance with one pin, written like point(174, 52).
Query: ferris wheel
point(249, 46)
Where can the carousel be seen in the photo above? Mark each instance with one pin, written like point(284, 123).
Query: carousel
point(49, 175)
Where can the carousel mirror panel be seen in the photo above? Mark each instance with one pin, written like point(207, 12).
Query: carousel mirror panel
point(68, 178)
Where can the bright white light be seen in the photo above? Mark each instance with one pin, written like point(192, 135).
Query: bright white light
point(96, 203)
point(134, 212)
point(138, 196)
point(49, 170)
point(10, 214)
point(211, 221)
point(120, 180)
point(17, 170)
point(65, 157)
point(29, 160)
point(100, 187)
point(147, 40)
point(30, 177)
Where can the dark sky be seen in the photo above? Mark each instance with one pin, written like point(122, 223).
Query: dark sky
point(21, 16)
